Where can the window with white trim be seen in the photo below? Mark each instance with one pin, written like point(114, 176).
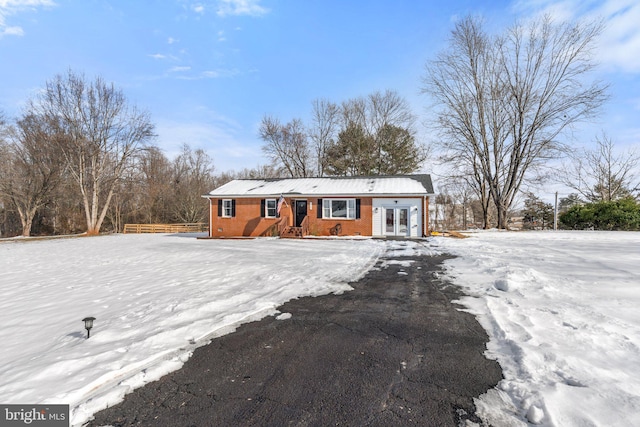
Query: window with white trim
point(227, 208)
point(270, 208)
point(339, 208)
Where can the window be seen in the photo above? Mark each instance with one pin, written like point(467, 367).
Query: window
point(270, 210)
point(227, 208)
point(339, 208)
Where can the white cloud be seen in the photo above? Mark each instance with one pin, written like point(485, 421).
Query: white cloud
point(164, 57)
point(13, 7)
point(208, 74)
point(198, 8)
point(11, 31)
point(171, 40)
point(23, 4)
point(221, 36)
point(178, 69)
point(620, 41)
point(241, 7)
point(221, 137)
point(220, 73)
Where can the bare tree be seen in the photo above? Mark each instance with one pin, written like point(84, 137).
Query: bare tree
point(355, 111)
point(258, 172)
point(104, 134)
point(377, 137)
point(503, 101)
point(4, 131)
point(601, 174)
point(32, 167)
point(464, 169)
point(155, 172)
point(287, 146)
point(323, 132)
point(192, 177)
point(4, 160)
point(463, 195)
point(388, 108)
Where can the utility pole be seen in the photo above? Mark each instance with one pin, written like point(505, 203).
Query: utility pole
point(555, 214)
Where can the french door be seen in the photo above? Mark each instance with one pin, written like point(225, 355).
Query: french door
point(396, 221)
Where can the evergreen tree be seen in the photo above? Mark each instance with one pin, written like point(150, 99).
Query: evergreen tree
point(537, 214)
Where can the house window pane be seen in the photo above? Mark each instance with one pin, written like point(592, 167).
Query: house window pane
point(338, 208)
point(270, 208)
point(351, 208)
point(227, 210)
point(403, 221)
point(390, 220)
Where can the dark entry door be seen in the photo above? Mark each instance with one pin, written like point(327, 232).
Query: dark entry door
point(301, 211)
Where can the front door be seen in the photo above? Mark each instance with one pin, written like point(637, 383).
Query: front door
point(396, 221)
point(300, 212)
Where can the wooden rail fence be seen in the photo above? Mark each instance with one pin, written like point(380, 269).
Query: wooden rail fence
point(196, 227)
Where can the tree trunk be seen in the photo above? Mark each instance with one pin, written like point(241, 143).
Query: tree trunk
point(103, 214)
point(26, 220)
point(502, 216)
point(26, 217)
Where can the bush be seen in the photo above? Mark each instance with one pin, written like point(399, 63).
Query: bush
point(622, 214)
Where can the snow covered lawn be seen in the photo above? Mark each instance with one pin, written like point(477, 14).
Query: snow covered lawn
point(563, 313)
point(562, 310)
point(155, 298)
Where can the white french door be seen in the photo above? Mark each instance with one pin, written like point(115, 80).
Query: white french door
point(396, 221)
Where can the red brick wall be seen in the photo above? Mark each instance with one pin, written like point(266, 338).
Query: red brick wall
point(350, 227)
point(248, 222)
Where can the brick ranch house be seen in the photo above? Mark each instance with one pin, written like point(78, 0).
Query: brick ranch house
point(342, 206)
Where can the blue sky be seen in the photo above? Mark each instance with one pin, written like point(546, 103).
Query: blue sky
point(209, 70)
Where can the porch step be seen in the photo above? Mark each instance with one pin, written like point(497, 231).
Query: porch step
point(291, 233)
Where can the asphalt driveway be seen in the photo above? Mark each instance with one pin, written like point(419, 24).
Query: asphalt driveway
point(393, 352)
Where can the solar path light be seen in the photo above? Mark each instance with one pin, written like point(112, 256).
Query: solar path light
point(88, 324)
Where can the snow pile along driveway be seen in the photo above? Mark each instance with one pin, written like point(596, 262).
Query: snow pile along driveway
point(562, 310)
point(155, 297)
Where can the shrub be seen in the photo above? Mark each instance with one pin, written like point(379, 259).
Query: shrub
point(622, 214)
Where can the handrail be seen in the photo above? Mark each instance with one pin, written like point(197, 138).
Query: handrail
point(282, 224)
point(305, 226)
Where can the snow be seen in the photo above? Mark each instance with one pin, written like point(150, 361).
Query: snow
point(560, 308)
point(325, 186)
point(562, 312)
point(155, 298)
point(284, 316)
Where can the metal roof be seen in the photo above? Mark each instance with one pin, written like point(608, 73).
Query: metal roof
point(396, 185)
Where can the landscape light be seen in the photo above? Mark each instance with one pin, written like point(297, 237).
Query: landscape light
point(88, 324)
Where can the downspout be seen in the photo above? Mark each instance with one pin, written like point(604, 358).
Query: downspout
point(210, 218)
point(425, 214)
